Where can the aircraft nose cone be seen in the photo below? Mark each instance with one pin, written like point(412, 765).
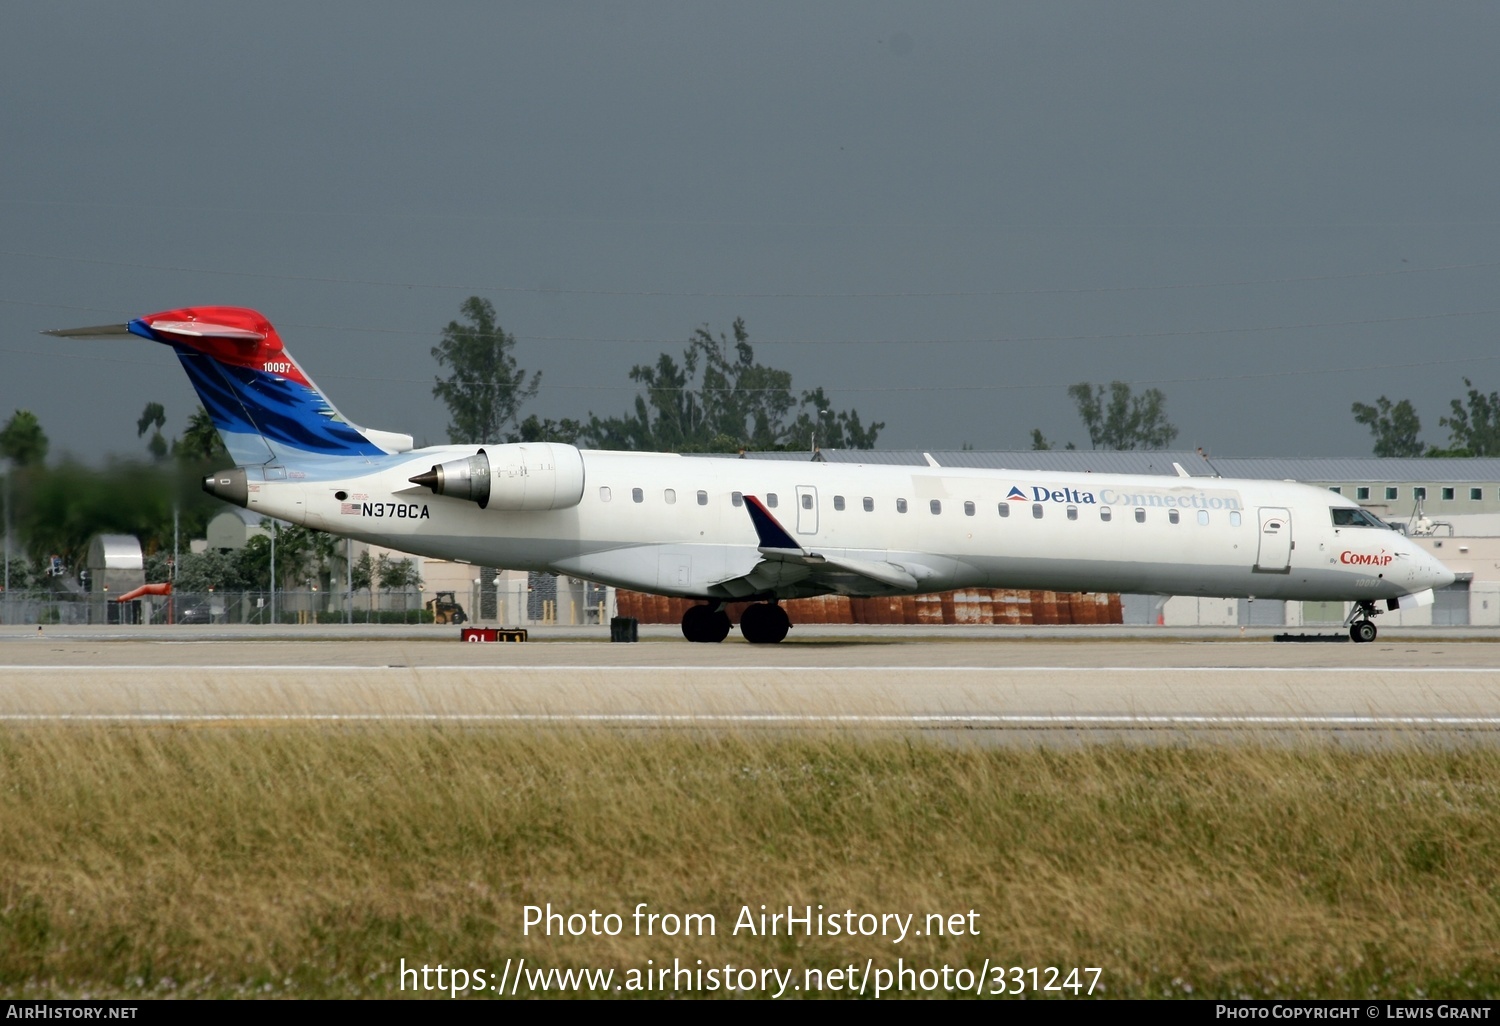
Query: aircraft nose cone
point(1438, 575)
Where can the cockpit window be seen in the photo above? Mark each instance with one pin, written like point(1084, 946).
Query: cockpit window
point(1343, 516)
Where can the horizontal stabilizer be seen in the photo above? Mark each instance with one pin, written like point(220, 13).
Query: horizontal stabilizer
point(97, 331)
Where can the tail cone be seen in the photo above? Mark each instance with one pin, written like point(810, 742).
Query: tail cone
point(229, 485)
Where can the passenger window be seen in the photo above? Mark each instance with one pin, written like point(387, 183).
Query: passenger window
point(604, 493)
point(1172, 516)
point(806, 501)
point(702, 497)
point(637, 495)
point(736, 499)
point(1203, 517)
point(1140, 515)
point(1104, 513)
point(900, 505)
point(838, 503)
point(1005, 509)
point(1234, 518)
point(936, 506)
point(968, 509)
point(1036, 510)
point(771, 499)
point(869, 504)
point(1072, 512)
point(671, 496)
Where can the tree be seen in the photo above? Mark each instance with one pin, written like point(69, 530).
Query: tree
point(154, 414)
point(213, 570)
point(1473, 429)
point(1040, 442)
point(362, 575)
point(200, 443)
point(1125, 421)
point(718, 399)
point(485, 390)
point(398, 574)
point(1394, 425)
point(828, 428)
point(22, 441)
point(535, 429)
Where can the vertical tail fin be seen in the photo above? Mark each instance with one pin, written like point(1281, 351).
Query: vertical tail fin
point(264, 406)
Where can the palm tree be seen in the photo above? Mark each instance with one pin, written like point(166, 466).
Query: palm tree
point(23, 441)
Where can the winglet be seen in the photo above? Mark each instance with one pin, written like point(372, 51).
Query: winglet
point(772, 535)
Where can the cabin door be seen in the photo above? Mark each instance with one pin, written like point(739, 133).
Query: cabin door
point(807, 509)
point(1275, 555)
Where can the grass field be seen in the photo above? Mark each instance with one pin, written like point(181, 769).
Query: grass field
point(227, 862)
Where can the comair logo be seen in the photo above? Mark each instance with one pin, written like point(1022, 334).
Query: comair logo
point(1365, 558)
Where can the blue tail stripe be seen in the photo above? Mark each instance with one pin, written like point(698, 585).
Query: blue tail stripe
point(286, 414)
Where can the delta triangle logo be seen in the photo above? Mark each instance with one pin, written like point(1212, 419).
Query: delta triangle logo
point(1015, 493)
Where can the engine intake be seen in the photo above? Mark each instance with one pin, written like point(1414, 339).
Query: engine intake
point(519, 477)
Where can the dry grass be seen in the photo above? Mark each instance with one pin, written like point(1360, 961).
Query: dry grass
point(235, 861)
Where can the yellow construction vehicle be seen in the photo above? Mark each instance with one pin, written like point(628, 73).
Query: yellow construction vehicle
point(445, 610)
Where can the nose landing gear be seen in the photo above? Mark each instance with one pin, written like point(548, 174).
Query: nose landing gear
point(1361, 628)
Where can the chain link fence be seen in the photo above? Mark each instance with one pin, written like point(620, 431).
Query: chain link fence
point(237, 607)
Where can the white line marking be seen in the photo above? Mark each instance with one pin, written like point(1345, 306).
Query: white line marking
point(629, 719)
point(728, 668)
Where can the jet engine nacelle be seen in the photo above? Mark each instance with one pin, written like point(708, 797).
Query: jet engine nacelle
point(518, 477)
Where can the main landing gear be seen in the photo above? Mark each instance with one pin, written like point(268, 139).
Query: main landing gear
point(705, 623)
point(764, 623)
point(1361, 629)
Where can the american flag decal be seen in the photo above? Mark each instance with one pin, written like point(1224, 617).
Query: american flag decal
point(349, 508)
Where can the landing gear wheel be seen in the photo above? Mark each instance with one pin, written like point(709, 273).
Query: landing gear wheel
point(764, 624)
point(705, 624)
point(1362, 631)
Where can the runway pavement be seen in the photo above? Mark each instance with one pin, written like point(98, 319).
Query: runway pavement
point(1082, 683)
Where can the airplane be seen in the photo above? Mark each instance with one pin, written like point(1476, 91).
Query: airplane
point(735, 530)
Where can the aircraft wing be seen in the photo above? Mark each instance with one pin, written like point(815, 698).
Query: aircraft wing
point(788, 569)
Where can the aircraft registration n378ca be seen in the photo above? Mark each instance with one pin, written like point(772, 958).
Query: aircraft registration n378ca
point(730, 530)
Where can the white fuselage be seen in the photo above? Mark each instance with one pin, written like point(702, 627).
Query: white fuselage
point(676, 525)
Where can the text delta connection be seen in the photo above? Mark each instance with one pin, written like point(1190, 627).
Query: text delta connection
point(1113, 497)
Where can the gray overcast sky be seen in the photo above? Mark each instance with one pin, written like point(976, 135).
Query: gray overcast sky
point(942, 213)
